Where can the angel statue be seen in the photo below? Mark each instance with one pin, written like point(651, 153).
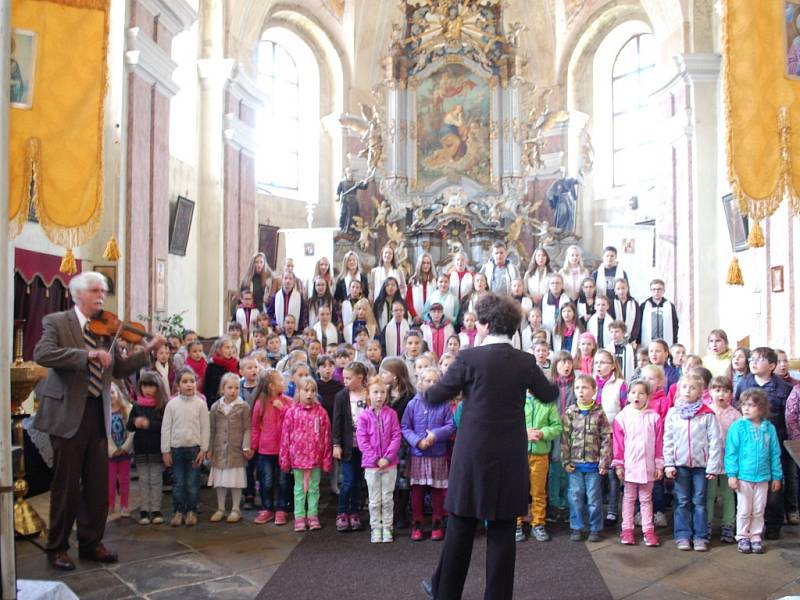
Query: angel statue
point(540, 120)
point(515, 30)
point(365, 232)
point(370, 128)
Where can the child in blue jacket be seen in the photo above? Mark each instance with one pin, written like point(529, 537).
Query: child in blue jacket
point(753, 466)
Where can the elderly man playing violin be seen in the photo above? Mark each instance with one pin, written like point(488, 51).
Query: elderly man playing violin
point(75, 409)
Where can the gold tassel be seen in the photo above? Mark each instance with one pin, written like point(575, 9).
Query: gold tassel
point(734, 273)
point(756, 237)
point(112, 250)
point(68, 265)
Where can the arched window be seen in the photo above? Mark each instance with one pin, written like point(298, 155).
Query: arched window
point(278, 163)
point(287, 164)
point(632, 82)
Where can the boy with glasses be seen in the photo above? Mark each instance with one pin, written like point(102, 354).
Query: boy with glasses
point(656, 318)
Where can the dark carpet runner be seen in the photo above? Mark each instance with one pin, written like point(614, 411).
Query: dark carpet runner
point(328, 565)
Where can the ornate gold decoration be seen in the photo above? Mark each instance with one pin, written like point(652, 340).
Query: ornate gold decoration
point(365, 232)
point(540, 120)
point(370, 127)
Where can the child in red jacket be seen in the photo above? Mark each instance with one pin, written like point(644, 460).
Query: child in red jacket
point(306, 449)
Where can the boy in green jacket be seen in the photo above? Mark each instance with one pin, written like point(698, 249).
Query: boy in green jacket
point(544, 426)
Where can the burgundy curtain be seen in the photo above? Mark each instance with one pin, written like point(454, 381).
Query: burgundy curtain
point(32, 302)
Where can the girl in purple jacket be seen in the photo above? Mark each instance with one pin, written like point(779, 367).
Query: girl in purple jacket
point(378, 437)
point(427, 428)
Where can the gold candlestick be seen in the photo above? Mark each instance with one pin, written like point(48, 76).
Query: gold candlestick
point(24, 375)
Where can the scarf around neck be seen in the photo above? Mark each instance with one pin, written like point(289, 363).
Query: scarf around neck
point(687, 411)
point(229, 364)
point(145, 401)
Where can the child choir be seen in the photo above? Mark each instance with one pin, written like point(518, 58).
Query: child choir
point(327, 376)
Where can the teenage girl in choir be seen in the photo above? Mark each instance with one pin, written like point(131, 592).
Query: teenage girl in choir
point(587, 348)
point(740, 365)
point(573, 272)
point(378, 435)
point(537, 275)
point(305, 451)
point(611, 396)
point(563, 375)
point(718, 359)
point(567, 330)
point(258, 280)
point(624, 307)
point(394, 333)
point(517, 289)
point(586, 300)
point(427, 429)
point(347, 408)
point(553, 301)
point(321, 296)
point(323, 269)
point(162, 364)
point(269, 410)
point(400, 392)
point(120, 446)
point(469, 330)
point(387, 267)
point(144, 420)
point(347, 307)
point(389, 294)
point(420, 285)
point(229, 451)
point(351, 270)
point(461, 279)
point(363, 317)
point(658, 353)
point(480, 286)
point(638, 461)
point(445, 297)
point(223, 360)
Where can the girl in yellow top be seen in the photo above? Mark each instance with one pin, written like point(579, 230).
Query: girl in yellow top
point(718, 359)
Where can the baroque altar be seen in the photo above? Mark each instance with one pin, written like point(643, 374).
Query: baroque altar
point(450, 139)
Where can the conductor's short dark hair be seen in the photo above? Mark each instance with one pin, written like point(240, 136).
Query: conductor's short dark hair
point(501, 313)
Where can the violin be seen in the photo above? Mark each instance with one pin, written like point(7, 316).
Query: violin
point(107, 324)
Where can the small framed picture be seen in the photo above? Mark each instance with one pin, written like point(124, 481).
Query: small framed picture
point(628, 245)
point(737, 225)
point(110, 273)
point(308, 248)
point(161, 285)
point(777, 279)
point(23, 67)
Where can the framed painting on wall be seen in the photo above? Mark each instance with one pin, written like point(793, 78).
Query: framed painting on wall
point(23, 67)
point(181, 226)
point(737, 224)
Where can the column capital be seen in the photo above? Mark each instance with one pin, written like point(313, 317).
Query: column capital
point(214, 72)
point(148, 60)
point(175, 15)
point(699, 67)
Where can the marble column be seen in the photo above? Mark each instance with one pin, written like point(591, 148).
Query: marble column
point(214, 71)
point(153, 24)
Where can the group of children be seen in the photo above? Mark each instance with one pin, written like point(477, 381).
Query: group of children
point(339, 388)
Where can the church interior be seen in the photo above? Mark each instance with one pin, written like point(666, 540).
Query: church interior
point(195, 152)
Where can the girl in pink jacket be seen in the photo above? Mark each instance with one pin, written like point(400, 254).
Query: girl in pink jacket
point(306, 449)
point(378, 436)
point(639, 460)
point(269, 408)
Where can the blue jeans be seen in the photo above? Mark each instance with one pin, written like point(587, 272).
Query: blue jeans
point(350, 489)
point(613, 492)
point(691, 513)
point(268, 472)
point(185, 479)
point(585, 493)
point(659, 496)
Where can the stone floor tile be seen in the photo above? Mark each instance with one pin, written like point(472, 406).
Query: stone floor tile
point(229, 588)
point(648, 564)
point(720, 582)
point(622, 586)
point(249, 554)
point(261, 575)
point(97, 585)
point(659, 591)
point(162, 573)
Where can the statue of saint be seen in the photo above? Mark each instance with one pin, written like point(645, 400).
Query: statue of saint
point(346, 194)
point(563, 198)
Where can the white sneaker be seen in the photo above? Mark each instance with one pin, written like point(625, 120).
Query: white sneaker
point(387, 537)
point(660, 519)
point(376, 537)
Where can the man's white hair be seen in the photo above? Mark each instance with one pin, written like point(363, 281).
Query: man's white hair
point(81, 283)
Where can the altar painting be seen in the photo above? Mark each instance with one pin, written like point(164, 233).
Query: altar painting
point(453, 115)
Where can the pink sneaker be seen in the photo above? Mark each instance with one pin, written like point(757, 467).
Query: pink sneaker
point(280, 517)
point(355, 522)
point(437, 533)
point(342, 524)
point(416, 532)
point(300, 524)
point(651, 539)
point(264, 516)
point(314, 524)
point(626, 537)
